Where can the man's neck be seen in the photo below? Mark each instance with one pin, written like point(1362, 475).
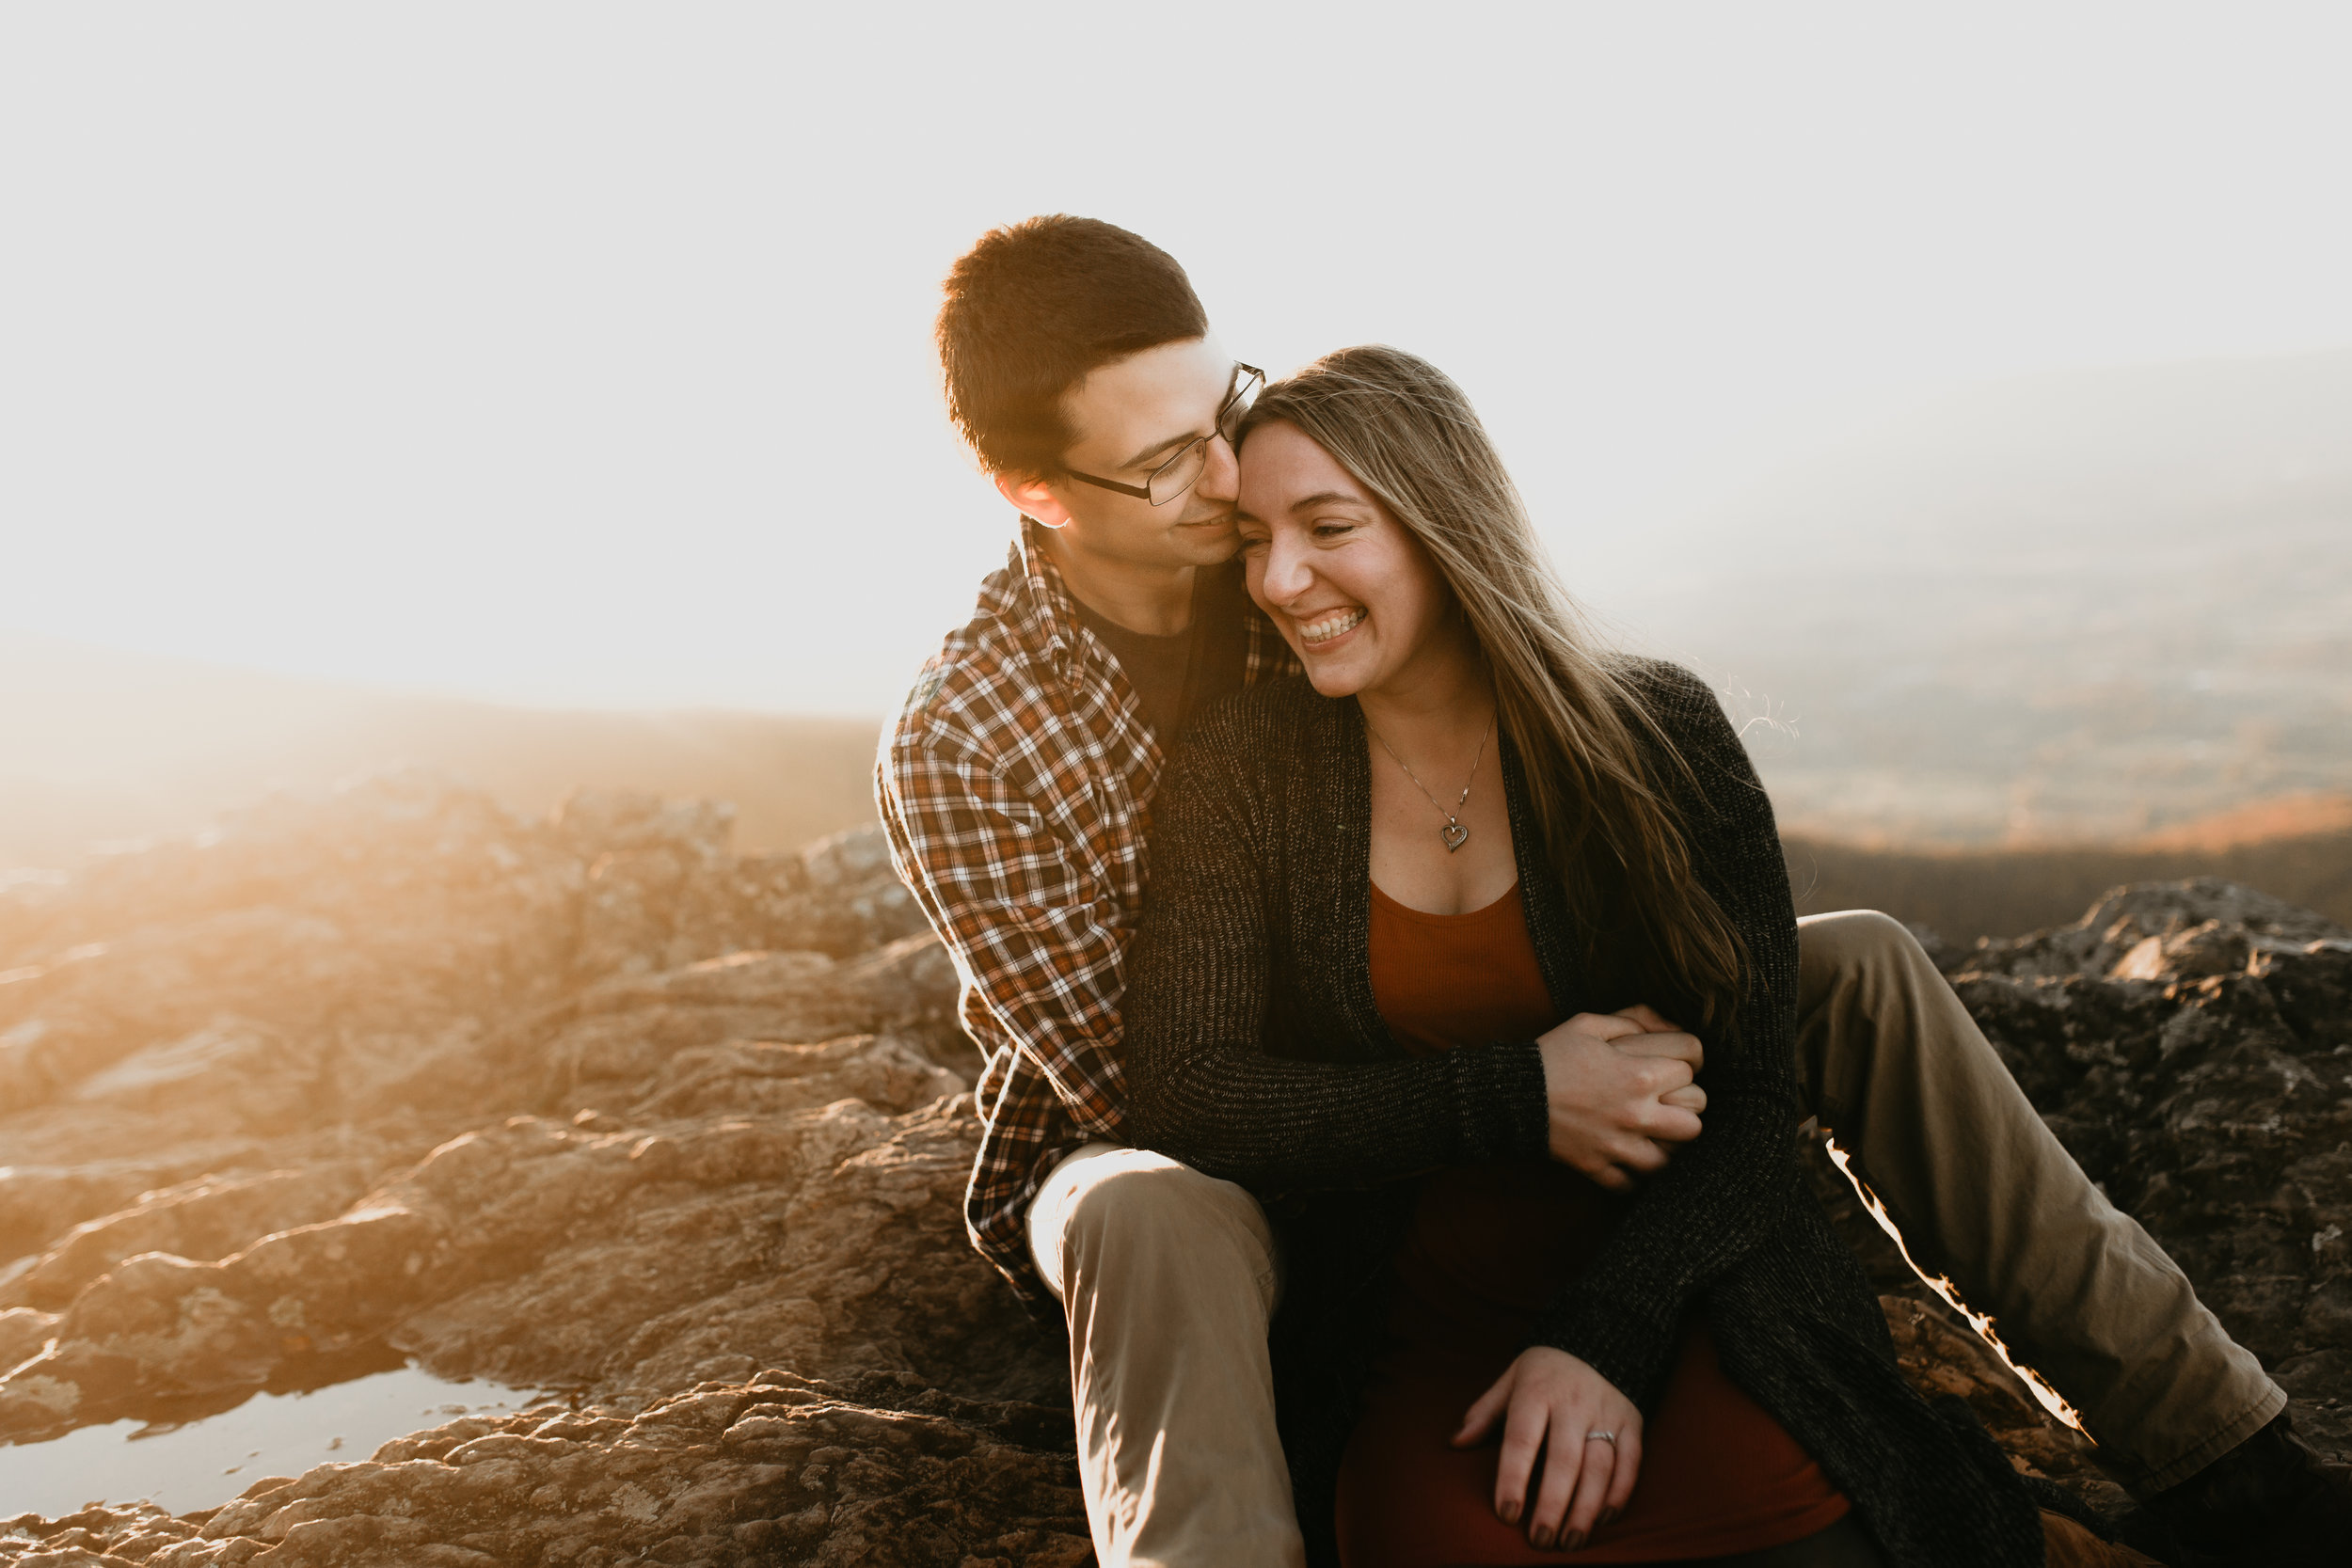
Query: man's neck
point(1152, 600)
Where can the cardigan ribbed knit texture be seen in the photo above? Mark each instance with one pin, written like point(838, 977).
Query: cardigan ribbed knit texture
point(1255, 1051)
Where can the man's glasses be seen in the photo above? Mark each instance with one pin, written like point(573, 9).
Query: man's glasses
point(1174, 477)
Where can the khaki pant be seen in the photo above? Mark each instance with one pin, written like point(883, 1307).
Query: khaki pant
point(1170, 1277)
point(1169, 1280)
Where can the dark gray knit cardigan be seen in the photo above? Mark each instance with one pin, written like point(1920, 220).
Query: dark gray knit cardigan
point(1255, 1051)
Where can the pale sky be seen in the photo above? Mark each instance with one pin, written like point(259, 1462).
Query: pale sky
point(580, 354)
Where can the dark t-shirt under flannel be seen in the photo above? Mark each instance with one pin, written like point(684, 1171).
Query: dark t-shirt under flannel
point(1175, 677)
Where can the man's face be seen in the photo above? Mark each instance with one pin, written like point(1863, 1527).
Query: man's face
point(1129, 418)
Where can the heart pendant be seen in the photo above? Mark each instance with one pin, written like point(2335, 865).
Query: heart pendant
point(1454, 834)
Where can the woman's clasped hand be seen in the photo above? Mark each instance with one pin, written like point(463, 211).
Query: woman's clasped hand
point(1587, 1435)
point(1621, 1089)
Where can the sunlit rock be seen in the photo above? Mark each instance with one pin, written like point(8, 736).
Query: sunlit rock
point(594, 1104)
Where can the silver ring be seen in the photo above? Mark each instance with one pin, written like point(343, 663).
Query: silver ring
point(1608, 1437)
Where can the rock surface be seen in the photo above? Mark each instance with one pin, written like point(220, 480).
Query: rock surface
point(593, 1104)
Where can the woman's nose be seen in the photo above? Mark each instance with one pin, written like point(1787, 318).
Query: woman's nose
point(1287, 574)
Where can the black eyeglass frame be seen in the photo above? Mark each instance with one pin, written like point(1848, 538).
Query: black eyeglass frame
point(1244, 375)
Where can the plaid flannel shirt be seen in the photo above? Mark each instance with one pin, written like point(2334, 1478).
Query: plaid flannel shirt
point(1015, 786)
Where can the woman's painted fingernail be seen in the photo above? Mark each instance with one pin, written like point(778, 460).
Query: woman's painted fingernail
point(1539, 1537)
point(1575, 1539)
point(1510, 1514)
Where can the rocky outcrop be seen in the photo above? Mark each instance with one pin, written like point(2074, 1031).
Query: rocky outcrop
point(2191, 1042)
point(593, 1104)
point(588, 1104)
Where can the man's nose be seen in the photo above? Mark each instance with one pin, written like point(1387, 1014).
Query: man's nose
point(1220, 476)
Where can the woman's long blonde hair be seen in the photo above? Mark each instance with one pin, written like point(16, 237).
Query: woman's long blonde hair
point(1409, 435)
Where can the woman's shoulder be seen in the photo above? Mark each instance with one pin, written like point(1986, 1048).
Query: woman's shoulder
point(1691, 739)
point(1680, 707)
point(1669, 689)
point(1694, 749)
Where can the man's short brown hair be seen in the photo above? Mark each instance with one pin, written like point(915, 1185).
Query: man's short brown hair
point(1036, 307)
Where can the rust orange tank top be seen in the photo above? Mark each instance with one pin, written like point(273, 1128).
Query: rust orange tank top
point(1490, 1246)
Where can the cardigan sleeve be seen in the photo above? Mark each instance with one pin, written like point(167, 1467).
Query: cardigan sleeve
point(1200, 1084)
point(1723, 1193)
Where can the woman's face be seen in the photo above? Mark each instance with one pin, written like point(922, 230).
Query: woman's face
point(1354, 593)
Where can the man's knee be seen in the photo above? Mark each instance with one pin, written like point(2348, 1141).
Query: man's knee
point(1853, 940)
point(1850, 949)
point(1136, 1192)
point(1147, 1208)
point(1859, 973)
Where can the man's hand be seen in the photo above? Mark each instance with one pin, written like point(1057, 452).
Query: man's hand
point(1620, 1089)
point(1550, 1402)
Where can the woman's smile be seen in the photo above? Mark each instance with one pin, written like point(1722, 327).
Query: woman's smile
point(1330, 627)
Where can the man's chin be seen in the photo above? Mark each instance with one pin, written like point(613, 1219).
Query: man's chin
point(1211, 540)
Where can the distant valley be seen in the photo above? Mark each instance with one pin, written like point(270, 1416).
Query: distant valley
point(2073, 609)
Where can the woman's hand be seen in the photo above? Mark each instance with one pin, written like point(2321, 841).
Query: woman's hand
point(1550, 1402)
point(1618, 1087)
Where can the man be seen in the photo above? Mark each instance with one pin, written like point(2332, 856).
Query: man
point(1016, 786)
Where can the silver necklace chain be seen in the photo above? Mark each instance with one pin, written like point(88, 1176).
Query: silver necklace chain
point(1454, 833)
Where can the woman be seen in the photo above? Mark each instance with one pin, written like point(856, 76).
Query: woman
point(1376, 893)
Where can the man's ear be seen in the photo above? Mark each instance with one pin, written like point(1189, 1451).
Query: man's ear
point(1034, 497)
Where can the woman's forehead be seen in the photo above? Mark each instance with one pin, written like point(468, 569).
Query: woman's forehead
point(1282, 468)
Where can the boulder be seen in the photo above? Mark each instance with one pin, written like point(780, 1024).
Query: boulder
point(207, 1218)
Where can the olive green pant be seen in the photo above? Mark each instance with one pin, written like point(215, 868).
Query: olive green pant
point(1982, 1193)
point(1170, 1277)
